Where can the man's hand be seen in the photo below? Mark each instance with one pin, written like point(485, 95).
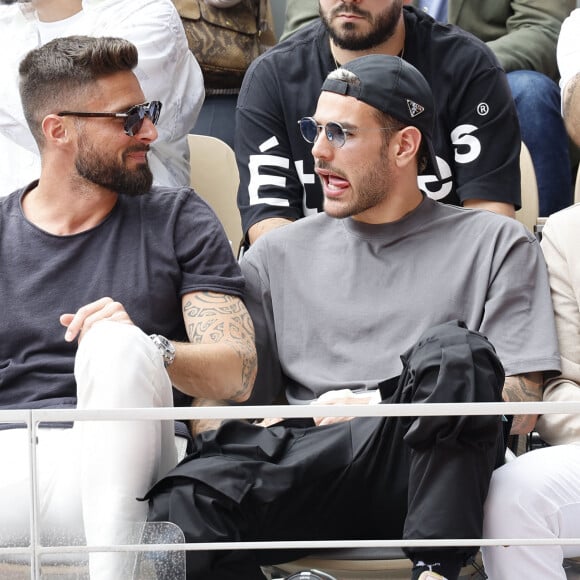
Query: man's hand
point(344, 397)
point(103, 309)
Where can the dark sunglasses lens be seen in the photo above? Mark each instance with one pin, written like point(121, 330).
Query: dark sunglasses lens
point(335, 134)
point(134, 120)
point(309, 129)
point(153, 111)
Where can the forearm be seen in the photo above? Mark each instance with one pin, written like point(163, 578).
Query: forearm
point(499, 207)
point(521, 388)
point(213, 371)
point(263, 227)
point(219, 361)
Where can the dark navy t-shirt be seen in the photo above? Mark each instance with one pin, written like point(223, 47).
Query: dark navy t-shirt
point(147, 253)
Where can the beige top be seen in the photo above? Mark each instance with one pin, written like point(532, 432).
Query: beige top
point(561, 243)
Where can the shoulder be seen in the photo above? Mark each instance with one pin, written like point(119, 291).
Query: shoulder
point(160, 203)
point(138, 16)
point(293, 240)
point(447, 45)
point(564, 223)
point(299, 63)
point(11, 201)
point(293, 53)
point(482, 227)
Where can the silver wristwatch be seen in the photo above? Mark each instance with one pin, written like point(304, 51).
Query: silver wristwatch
point(165, 347)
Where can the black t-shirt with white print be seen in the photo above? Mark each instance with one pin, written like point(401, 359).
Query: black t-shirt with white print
point(477, 137)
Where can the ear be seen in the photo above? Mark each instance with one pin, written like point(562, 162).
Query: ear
point(408, 142)
point(55, 129)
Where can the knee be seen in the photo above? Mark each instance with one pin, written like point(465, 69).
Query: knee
point(451, 363)
point(108, 342)
point(113, 352)
point(531, 89)
point(515, 502)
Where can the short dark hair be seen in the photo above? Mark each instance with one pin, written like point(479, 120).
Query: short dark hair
point(58, 74)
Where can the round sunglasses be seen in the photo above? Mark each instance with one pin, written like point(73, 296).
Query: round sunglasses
point(134, 116)
point(334, 131)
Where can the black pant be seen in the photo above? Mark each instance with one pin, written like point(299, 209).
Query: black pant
point(368, 478)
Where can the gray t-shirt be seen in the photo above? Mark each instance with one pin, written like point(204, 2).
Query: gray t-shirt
point(336, 302)
point(147, 253)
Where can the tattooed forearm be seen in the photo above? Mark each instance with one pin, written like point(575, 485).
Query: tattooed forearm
point(207, 316)
point(220, 318)
point(521, 388)
point(525, 387)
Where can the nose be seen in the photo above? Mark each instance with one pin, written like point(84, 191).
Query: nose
point(148, 132)
point(322, 148)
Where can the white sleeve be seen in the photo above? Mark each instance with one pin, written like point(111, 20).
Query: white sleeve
point(568, 52)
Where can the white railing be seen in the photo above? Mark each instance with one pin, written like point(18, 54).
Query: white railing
point(32, 418)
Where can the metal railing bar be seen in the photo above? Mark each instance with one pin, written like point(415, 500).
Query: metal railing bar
point(32, 417)
point(296, 544)
point(294, 411)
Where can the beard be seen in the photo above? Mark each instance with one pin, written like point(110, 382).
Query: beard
point(383, 26)
point(111, 174)
point(372, 189)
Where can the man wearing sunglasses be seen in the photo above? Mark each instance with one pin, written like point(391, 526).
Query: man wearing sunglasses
point(361, 303)
point(112, 291)
point(167, 71)
point(476, 138)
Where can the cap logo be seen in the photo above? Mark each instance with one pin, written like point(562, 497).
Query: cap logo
point(415, 109)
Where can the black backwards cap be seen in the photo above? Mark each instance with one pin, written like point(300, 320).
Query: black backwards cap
point(395, 87)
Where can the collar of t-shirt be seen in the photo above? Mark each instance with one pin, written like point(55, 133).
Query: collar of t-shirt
point(50, 30)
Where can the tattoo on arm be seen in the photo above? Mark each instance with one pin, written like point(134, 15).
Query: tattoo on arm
point(212, 318)
point(525, 387)
point(521, 388)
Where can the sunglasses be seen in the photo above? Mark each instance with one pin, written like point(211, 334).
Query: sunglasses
point(134, 117)
point(334, 131)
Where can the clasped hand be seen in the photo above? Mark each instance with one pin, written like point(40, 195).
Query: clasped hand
point(82, 320)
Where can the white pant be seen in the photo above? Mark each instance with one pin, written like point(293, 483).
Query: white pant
point(90, 475)
point(535, 496)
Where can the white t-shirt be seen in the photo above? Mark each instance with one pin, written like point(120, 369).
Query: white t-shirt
point(568, 52)
point(50, 30)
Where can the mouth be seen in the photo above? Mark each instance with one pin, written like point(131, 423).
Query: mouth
point(349, 16)
point(333, 184)
point(138, 155)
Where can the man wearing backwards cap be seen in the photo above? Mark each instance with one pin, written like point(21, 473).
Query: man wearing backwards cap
point(477, 137)
point(357, 305)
